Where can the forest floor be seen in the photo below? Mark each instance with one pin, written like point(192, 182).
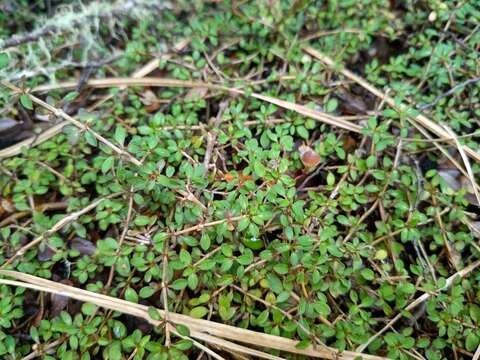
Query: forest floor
point(239, 179)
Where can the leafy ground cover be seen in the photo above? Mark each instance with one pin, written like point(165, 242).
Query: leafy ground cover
point(218, 160)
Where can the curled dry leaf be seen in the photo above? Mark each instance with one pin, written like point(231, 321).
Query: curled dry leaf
point(451, 177)
point(466, 184)
point(7, 123)
point(59, 302)
point(148, 97)
point(456, 181)
point(196, 93)
point(46, 254)
point(309, 157)
point(150, 100)
point(6, 206)
point(83, 246)
point(475, 227)
point(352, 104)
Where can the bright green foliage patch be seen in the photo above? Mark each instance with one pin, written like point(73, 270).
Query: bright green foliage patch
point(331, 253)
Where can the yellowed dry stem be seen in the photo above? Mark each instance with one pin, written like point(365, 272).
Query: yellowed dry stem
point(419, 118)
point(164, 82)
point(205, 330)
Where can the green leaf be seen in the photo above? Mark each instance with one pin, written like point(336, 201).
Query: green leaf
point(4, 60)
point(123, 266)
point(281, 268)
point(167, 182)
point(259, 169)
point(303, 344)
point(131, 295)
point(332, 105)
point(199, 312)
point(274, 283)
point(471, 342)
point(205, 242)
point(179, 284)
point(26, 101)
point(142, 220)
point(90, 138)
point(70, 96)
point(381, 254)
point(115, 351)
point(154, 313)
point(330, 179)
point(185, 257)
point(183, 344)
point(146, 292)
point(108, 164)
point(192, 281)
point(88, 308)
point(368, 274)
point(120, 134)
point(302, 132)
point(183, 330)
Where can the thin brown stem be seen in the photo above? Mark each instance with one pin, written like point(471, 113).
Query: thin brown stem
point(60, 224)
point(122, 237)
point(78, 124)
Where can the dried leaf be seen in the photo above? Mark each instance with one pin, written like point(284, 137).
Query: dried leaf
point(148, 97)
point(466, 184)
point(352, 104)
point(451, 178)
point(308, 156)
point(7, 123)
point(455, 256)
point(59, 302)
point(83, 246)
point(349, 143)
point(6, 205)
point(196, 94)
point(228, 177)
point(46, 254)
point(475, 227)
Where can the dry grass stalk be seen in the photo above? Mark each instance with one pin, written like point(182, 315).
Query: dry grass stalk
point(466, 162)
point(32, 141)
point(205, 330)
point(62, 114)
point(164, 82)
point(460, 274)
point(60, 224)
point(56, 129)
point(476, 356)
point(420, 118)
point(62, 205)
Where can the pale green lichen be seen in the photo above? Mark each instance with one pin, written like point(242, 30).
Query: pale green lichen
point(76, 38)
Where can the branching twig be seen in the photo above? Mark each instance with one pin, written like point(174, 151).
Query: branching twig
point(416, 119)
point(205, 330)
point(212, 136)
point(205, 225)
point(122, 236)
point(165, 291)
point(37, 352)
point(80, 125)
point(40, 208)
point(450, 92)
point(418, 301)
point(60, 224)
